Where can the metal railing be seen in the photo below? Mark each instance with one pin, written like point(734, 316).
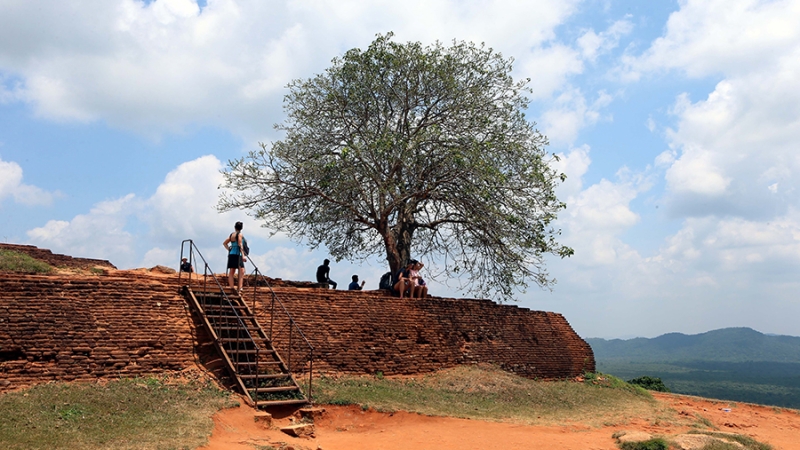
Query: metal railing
point(237, 344)
point(286, 333)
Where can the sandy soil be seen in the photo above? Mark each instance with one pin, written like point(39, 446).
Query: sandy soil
point(350, 428)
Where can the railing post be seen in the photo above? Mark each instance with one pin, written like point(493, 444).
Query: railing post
point(310, 374)
point(272, 317)
point(291, 328)
point(255, 392)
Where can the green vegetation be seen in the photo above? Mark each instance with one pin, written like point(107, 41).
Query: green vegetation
point(492, 394)
point(405, 149)
point(650, 383)
point(732, 364)
point(745, 442)
point(652, 444)
point(11, 261)
point(125, 414)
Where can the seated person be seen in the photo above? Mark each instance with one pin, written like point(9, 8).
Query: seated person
point(404, 284)
point(418, 284)
point(323, 274)
point(186, 266)
point(354, 286)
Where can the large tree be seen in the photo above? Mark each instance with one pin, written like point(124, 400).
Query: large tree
point(409, 150)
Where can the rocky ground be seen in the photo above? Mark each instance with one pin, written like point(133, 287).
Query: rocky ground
point(350, 428)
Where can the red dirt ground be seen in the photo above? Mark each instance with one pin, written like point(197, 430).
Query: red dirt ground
point(350, 428)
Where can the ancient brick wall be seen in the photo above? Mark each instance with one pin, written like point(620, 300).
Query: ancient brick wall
point(55, 259)
point(369, 331)
point(84, 328)
point(81, 327)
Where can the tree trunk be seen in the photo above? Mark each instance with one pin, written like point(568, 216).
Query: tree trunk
point(398, 246)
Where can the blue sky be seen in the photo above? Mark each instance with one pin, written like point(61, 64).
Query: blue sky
point(677, 123)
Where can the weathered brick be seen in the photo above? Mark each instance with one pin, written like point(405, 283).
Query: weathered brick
point(84, 327)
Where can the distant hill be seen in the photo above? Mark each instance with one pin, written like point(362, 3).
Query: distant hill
point(725, 345)
point(732, 363)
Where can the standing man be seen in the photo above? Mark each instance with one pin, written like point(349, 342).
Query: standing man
point(323, 274)
point(354, 286)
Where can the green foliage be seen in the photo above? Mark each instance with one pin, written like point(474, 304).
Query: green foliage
point(405, 149)
point(11, 261)
point(610, 381)
point(652, 444)
point(650, 383)
point(126, 414)
point(737, 441)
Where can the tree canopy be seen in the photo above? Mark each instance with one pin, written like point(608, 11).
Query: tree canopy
point(405, 149)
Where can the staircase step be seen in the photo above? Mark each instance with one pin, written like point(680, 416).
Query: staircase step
point(247, 352)
point(229, 316)
point(259, 363)
point(248, 328)
point(265, 376)
point(247, 339)
point(267, 390)
point(268, 403)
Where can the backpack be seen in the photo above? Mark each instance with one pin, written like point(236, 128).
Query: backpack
point(245, 249)
point(386, 281)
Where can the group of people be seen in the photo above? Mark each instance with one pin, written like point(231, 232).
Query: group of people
point(324, 277)
point(408, 281)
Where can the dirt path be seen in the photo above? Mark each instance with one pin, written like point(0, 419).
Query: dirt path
point(350, 428)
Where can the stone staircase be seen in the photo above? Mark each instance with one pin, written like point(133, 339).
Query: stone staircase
point(249, 356)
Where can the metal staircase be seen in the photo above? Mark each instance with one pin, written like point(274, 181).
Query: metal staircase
point(247, 351)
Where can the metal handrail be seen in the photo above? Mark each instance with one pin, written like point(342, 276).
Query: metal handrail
point(258, 276)
point(208, 273)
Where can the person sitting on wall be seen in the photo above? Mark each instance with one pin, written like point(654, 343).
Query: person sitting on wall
point(323, 274)
point(354, 286)
point(404, 285)
point(419, 287)
point(186, 266)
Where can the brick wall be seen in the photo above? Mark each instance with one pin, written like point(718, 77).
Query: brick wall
point(81, 327)
point(55, 259)
point(368, 331)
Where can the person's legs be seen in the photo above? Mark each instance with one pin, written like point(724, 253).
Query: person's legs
point(230, 276)
point(423, 291)
point(241, 277)
point(332, 283)
point(400, 286)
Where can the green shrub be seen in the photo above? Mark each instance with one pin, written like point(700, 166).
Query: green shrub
point(11, 261)
point(650, 383)
point(652, 444)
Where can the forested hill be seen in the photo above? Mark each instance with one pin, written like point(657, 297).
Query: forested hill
point(725, 345)
point(738, 364)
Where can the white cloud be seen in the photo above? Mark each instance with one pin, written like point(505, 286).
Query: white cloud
point(592, 44)
point(98, 234)
point(11, 185)
point(574, 165)
point(183, 207)
point(160, 66)
point(570, 113)
point(731, 150)
point(707, 37)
